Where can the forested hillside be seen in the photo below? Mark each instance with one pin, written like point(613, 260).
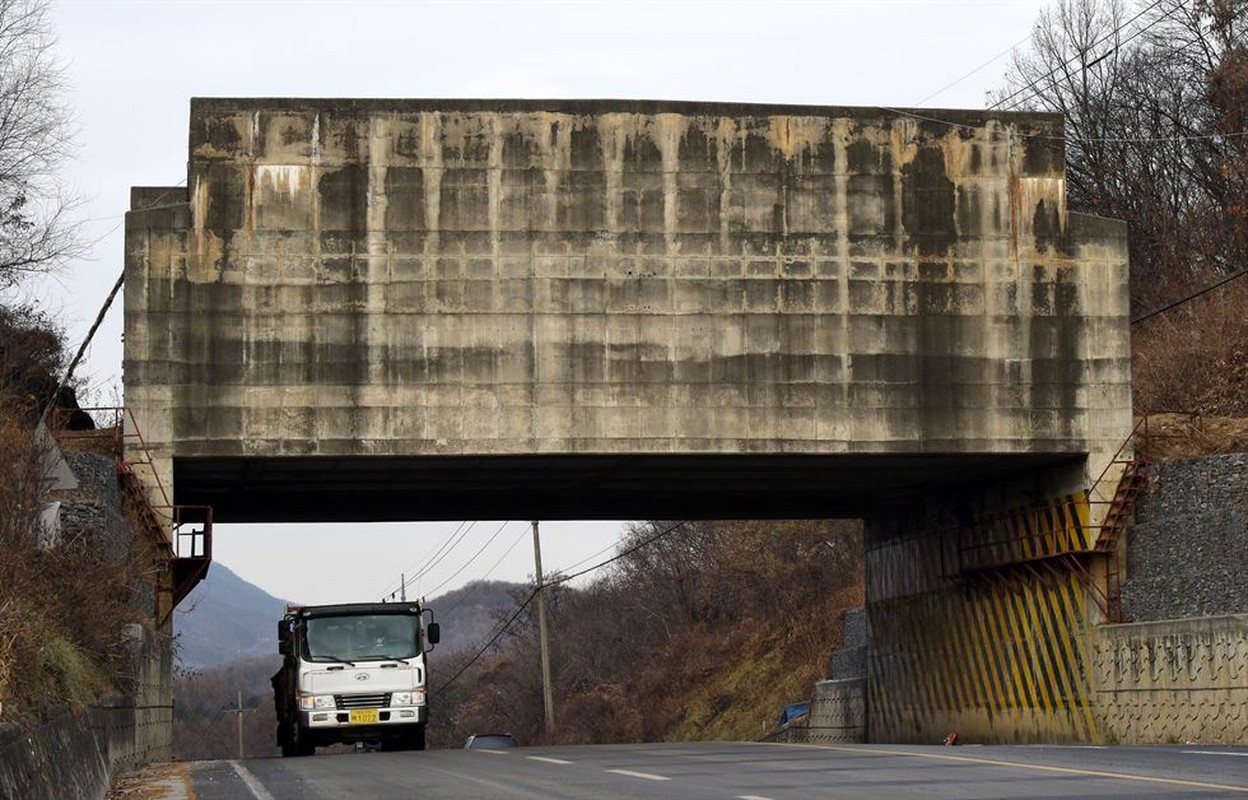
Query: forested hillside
point(469, 614)
point(66, 591)
point(699, 630)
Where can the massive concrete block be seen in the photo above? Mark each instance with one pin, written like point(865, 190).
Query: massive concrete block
point(849, 303)
point(411, 309)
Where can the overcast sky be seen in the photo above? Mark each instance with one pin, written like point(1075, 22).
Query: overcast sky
point(133, 67)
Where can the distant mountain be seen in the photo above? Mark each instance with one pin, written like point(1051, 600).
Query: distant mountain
point(226, 619)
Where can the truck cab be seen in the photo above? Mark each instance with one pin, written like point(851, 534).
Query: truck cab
point(352, 673)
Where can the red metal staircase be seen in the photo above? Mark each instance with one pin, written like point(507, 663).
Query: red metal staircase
point(184, 533)
point(1118, 513)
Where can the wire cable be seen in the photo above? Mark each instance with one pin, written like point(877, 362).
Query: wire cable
point(1068, 62)
point(1188, 298)
point(561, 579)
point(949, 86)
point(403, 583)
point(474, 557)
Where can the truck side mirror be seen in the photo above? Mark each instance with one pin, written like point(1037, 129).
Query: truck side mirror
point(283, 637)
point(433, 633)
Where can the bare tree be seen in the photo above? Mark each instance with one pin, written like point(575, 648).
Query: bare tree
point(1153, 98)
point(36, 232)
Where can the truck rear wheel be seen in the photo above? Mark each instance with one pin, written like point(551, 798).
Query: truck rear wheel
point(303, 743)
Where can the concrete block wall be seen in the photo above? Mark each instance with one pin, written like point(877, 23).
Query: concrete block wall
point(1172, 682)
point(62, 758)
point(838, 712)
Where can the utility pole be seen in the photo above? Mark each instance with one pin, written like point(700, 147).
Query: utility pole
point(238, 712)
point(548, 696)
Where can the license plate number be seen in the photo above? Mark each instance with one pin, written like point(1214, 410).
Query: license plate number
point(363, 716)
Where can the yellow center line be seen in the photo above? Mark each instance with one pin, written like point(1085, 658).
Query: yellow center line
point(1121, 776)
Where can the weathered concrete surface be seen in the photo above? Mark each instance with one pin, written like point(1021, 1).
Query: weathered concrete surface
point(1173, 681)
point(354, 280)
point(61, 758)
point(388, 309)
point(838, 712)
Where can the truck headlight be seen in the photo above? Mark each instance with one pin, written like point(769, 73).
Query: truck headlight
point(415, 698)
point(317, 702)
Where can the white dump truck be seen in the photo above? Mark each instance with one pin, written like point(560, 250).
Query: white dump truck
point(353, 673)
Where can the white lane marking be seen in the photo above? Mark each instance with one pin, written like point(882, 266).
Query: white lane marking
point(1214, 753)
point(645, 775)
point(548, 760)
point(492, 750)
point(257, 789)
point(751, 797)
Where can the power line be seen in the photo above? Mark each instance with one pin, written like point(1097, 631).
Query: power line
point(474, 557)
point(1051, 73)
point(949, 86)
point(617, 556)
point(485, 648)
point(561, 579)
point(1205, 290)
point(404, 583)
point(464, 596)
point(591, 557)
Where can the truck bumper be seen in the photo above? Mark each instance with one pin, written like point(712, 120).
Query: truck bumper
point(363, 718)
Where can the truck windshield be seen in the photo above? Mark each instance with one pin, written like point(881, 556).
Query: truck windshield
point(362, 638)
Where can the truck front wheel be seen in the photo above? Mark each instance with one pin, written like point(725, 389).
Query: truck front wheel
point(296, 741)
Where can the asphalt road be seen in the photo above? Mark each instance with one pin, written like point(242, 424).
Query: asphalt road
point(734, 771)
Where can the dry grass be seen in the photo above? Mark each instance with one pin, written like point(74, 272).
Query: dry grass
point(62, 609)
point(1168, 436)
point(155, 782)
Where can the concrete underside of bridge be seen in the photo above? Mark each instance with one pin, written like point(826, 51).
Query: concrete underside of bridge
point(409, 309)
point(393, 488)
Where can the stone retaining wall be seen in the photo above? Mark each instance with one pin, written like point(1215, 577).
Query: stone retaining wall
point(71, 756)
point(1186, 551)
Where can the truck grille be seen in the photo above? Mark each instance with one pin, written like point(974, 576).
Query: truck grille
point(362, 700)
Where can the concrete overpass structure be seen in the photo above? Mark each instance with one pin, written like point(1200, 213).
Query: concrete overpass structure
point(410, 309)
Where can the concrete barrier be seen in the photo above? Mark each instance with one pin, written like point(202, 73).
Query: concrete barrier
point(1173, 681)
point(62, 758)
point(838, 712)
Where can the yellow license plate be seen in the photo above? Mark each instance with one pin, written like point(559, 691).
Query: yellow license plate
point(363, 716)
